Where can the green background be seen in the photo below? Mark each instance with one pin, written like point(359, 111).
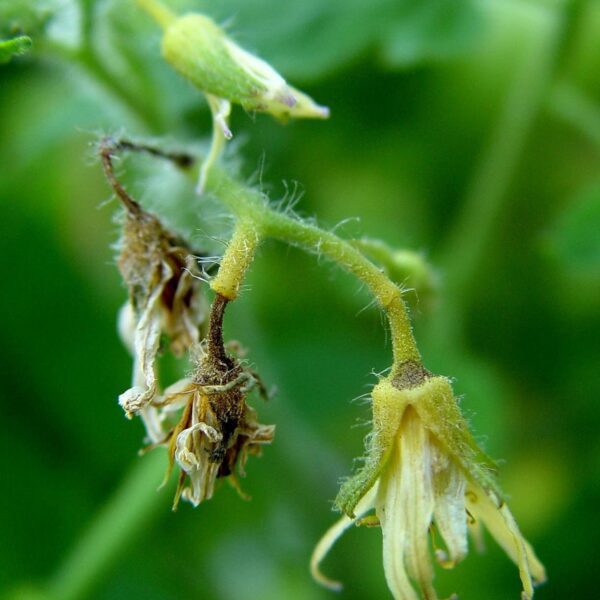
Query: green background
point(469, 131)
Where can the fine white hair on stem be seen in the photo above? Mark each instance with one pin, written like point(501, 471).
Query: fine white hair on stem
point(370, 304)
point(344, 222)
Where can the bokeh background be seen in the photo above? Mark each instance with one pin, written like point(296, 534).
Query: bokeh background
point(468, 130)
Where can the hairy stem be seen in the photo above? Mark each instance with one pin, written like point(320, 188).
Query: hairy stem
point(238, 256)
point(250, 205)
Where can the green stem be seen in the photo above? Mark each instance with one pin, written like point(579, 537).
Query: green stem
point(251, 205)
point(124, 516)
point(407, 268)
point(236, 261)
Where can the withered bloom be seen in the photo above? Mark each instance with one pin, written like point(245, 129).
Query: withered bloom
point(217, 430)
point(165, 300)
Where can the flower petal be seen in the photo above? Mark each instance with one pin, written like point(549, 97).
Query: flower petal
point(503, 527)
point(194, 460)
point(332, 534)
point(450, 515)
point(393, 528)
point(414, 454)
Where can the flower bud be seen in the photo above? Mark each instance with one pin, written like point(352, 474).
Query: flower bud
point(196, 47)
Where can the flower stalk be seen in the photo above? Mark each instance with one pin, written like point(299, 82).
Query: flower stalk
point(237, 259)
point(251, 205)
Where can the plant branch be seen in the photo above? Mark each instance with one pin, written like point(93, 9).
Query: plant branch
point(251, 205)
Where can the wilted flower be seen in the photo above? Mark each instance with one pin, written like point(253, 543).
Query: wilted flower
point(165, 302)
point(164, 299)
point(165, 306)
point(424, 474)
point(217, 430)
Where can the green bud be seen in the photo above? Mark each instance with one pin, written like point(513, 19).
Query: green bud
point(196, 47)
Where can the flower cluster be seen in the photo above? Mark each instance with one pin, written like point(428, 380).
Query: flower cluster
point(424, 476)
point(205, 421)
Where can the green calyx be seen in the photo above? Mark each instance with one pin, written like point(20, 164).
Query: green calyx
point(433, 400)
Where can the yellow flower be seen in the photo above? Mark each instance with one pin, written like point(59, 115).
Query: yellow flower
point(425, 476)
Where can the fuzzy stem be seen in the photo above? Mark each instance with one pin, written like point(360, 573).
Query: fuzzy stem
point(405, 267)
point(251, 205)
point(238, 256)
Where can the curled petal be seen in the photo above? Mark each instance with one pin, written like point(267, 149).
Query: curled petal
point(185, 454)
point(501, 524)
point(147, 342)
point(202, 483)
point(331, 536)
point(192, 455)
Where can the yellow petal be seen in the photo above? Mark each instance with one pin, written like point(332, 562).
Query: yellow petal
point(405, 508)
point(503, 527)
point(417, 499)
point(332, 534)
point(450, 515)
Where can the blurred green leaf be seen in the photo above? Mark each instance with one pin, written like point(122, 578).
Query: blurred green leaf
point(309, 39)
point(430, 30)
point(576, 239)
point(24, 16)
point(14, 47)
